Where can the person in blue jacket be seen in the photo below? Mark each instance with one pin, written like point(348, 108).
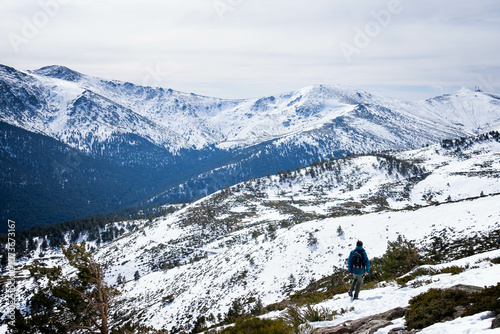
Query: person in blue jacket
point(358, 265)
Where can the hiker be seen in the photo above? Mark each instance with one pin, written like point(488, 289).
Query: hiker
point(358, 265)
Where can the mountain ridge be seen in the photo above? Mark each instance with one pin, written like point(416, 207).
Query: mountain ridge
point(195, 145)
point(307, 102)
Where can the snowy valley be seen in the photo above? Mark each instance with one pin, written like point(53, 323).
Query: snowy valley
point(109, 145)
point(266, 239)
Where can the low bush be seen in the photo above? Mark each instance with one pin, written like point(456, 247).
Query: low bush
point(417, 272)
point(438, 305)
point(322, 289)
point(454, 270)
point(259, 326)
point(296, 317)
point(434, 306)
point(486, 300)
point(400, 257)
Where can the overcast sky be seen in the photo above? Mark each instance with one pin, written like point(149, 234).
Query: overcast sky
point(409, 49)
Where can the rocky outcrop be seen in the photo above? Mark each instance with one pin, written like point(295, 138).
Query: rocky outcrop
point(403, 331)
point(496, 322)
point(467, 288)
point(367, 325)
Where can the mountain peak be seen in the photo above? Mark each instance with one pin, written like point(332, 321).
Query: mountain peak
point(59, 72)
point(6, 68)
point(343, 94)
point(464, 91)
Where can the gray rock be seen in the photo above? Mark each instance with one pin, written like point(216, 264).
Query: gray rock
point(467, 288)
point(372, 326)
point(367, 325)
point(400, 330)
point(496, 322)
point(339, 329)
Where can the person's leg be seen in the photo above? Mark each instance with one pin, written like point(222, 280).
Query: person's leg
point(353, 285)
point(359, 280)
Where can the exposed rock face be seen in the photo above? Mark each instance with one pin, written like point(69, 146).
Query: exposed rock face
point(467, 288)
point(496, 322)
point(403, 331)
point(367, 325)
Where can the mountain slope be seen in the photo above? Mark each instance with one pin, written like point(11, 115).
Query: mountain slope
point(269, 237)
point(180, 120)
point(267, 247)
point(478, 271)
point(188, 145)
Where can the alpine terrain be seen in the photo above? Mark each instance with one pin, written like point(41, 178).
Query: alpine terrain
point(73, 145)
point(276, 247)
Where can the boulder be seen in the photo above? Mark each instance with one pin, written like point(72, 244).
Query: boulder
point(496, 322)
point(467, 288)
point(401, 330)
point(367, 325)
point(372, 326)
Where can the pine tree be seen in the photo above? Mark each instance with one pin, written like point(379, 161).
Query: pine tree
point(257, 308)
point(340, 232)
point(45, 244)
point(235, 312)
point(67, 304)
point(401, 257)
point(32, 244)
point(311, 240)
point(137, 275)
point(5, 260)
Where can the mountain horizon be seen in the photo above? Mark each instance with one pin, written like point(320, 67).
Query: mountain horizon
point(110, 145)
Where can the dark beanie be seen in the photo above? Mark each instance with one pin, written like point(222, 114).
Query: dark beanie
point(359, 243)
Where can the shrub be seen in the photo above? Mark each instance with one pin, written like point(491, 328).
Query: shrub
point(401, 257)
point(312, 314)
point(259, 326)
point(486, 300)
point(416, 273)
point(376, 271)
point(454, 270)
point(280, 306)
point(434, 306)
point(322, 289)
point(437, 305)
point(296, 317)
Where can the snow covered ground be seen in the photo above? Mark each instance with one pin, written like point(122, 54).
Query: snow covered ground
point(481, 273)
point(244, 243)
point(261, 267)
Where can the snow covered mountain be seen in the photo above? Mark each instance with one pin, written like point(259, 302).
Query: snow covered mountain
point(174, 146)
point(267, 238)
point(80, 110)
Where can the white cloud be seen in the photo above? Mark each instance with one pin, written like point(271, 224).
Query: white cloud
point(256, 47)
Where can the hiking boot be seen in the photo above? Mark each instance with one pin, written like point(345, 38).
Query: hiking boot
point(349, 293)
